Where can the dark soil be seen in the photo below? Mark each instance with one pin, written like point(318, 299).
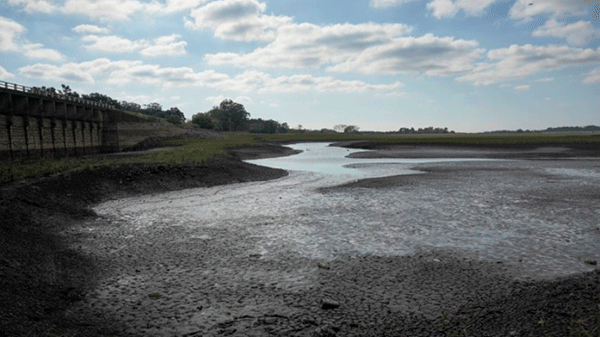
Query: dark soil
point(40, 277)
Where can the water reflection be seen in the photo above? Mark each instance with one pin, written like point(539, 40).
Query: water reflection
point(332, 160)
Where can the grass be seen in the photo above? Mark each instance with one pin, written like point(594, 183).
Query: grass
point(532, 139)
point(187, 151)
point(199, 150)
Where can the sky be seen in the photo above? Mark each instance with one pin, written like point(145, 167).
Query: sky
point(469, 65)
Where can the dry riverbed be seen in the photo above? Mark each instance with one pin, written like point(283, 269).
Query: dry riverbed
point(159, 279)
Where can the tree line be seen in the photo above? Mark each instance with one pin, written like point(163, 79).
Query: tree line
point(232, 116)
point(172, 115)
point(227, 116)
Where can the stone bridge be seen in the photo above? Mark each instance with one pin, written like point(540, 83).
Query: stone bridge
point(37, 123)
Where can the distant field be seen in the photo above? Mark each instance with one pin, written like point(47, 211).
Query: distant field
point(526, 139)
point(199, 150)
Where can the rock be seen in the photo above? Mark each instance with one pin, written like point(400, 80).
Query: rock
point(329, 304)
point(323, 265)
point(591, 262)
point(325, 331)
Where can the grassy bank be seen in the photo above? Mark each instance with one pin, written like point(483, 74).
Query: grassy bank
point(525, 139)
point(199, 150)
point(185, 151)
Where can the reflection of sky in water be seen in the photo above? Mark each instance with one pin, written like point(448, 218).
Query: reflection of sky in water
point(487, 219)
point(322, 158)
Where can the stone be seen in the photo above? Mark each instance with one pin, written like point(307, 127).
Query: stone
point(323, 265)
point(329, 304)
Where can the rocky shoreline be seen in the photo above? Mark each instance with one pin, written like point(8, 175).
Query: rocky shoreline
point(68, 272)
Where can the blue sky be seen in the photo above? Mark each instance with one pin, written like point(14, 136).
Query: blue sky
point(380, 64)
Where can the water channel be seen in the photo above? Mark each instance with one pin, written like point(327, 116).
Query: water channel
point(488, 219)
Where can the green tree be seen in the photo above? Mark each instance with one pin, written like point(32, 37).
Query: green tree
point(174, 116)
point(351, 129)
point(203, 120)
point(230, 116)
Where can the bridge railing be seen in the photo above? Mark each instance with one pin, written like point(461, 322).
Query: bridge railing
point(52, 94)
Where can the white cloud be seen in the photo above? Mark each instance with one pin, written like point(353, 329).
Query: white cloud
point(365, 48)
point(593, 77)
point(165, 46)
point(216, 100)
point(126, 72)
point(238, 20)
point(517, 62)
point(523, 11)
point(5, 74)
point(105, 10)
point(9, 36)
point(9, 30)
point(75, 72)
point(44, 6)
point(383, 4)
point(429, 54)
point(162, 46)
point(524, 87)
point(449, 8)
point(90, 29)
point(173, 6)
point(579, 33)
point(112, 44)
point(545, 80)
point(37, 51)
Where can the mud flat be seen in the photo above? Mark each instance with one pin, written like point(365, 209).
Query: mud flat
point(490, 249)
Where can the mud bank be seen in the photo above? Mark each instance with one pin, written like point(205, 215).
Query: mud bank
point(70, 271)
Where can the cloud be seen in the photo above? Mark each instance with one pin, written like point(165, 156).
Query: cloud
point(238, 20)
point(9, 36)
point(545, 80)
point(105, 10)
point(522, 87)
point(165, 46)
point(75, 72)
point(579, 33)
point(138, 72)
point(90, 29)
point(593, 77)
point(43, 6)
point(383, 4)
point(112, 44)
point(523, 11)
point(429, 54)
point(365, 48)
point(517, 62)
point(449, 8)
point(162, 46)
point(37, 51)
point(5, 74)
point(173, 6)
point(216, 100)
point(9, 30)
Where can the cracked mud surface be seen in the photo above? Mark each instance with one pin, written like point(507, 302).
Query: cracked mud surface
point(256, 270)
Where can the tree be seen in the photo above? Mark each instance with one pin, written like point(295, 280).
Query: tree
point(235, 114)
point(174, 116)
point(351, 129)
point(153, 109)
point(271, 126)
point(230, 116)
point(203, 120)
point(340, 127)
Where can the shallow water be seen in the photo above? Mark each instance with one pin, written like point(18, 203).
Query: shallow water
point(495, 218)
